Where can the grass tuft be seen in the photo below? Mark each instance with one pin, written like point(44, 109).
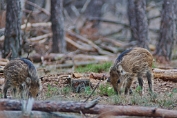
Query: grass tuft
point(94, 67)
point(106, 90)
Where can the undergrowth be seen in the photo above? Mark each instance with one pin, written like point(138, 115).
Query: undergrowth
point(94, 67)
point(166, 100)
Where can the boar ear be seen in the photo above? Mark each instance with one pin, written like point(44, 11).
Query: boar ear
point(121, 70)
point(28, 80)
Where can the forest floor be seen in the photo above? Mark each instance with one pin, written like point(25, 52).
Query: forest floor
point(56, 88)
point(165, 93)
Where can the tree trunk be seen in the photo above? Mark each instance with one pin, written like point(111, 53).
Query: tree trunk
point(12, 42)
point(167, 38)
point(59, 43)
point(142, 24)
point(2, 5)
point(132, 19)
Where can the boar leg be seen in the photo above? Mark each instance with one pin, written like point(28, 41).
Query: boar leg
point(149, 79)
point(15, 91)
point(140, 81)
point(5, 88)
point(115, 87)
point(128, 85)
point(22, 91)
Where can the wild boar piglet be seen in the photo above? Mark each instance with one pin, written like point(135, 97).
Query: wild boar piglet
point(130, 64)
point(21, 74)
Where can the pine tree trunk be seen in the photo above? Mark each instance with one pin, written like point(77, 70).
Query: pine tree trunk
point(59, 43)
point(142, 24)
point(167, 38)
point(12, 42)
point(132, 19)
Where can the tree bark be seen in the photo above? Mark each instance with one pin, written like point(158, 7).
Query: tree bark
point(59, 43)
point(132, 19)
point(12, 42)
point(167, 37)
point(2, 5)
point(142, 24)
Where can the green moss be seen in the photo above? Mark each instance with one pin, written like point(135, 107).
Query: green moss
point(94, 67)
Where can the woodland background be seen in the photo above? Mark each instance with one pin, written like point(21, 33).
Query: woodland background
point(76, 41)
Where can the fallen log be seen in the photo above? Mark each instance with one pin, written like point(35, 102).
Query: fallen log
point(38, 38)
point(100, 51)
point(36, 114)
point(54, 57)
point(103, 110)
point(170, 74)
point(34, 25)
point(99, 76)
point(107, 21)
point(114, 42)
point(164, 74)
point(29, 26)
point(67, 65)
point(77, 45)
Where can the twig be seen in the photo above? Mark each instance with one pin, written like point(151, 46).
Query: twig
point(25, 37)
point(75, 10)
point(113, 32)
point(38, 7)
point(92, 103)
point(154, 17)
point(85, 6)
point(107, 21)
point(93, 90)
point(9, 54)
point(82, 11)
point(29, 51)
point(68, 3)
